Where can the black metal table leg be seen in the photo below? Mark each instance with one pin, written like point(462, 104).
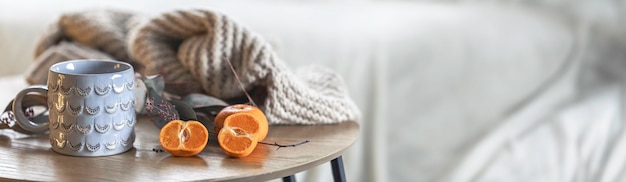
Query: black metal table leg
point(290, 178)
point(338, 172)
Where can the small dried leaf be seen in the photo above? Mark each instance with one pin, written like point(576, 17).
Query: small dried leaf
point(185, 112)
point(205, 107)
point(209, 112)
point(155, 82)
point(200, 100)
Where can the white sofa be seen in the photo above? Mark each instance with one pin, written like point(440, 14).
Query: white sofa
point(449, 91)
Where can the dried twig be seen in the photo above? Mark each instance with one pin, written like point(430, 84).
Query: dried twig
point(239, 81)
point(281, 146)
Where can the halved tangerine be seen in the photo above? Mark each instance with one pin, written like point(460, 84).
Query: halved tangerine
point(243, 108)
point(184, 139)
point(240, 134)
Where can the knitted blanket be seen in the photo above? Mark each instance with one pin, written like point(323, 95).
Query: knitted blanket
point(191, 50)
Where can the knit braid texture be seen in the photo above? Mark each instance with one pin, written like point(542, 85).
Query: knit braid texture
point(194, 48)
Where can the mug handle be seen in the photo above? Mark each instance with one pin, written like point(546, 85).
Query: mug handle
point(20, 117)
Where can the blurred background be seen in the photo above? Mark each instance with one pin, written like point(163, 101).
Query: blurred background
point(468, 90)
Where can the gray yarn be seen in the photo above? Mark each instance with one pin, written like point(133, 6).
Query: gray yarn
point(193, 47)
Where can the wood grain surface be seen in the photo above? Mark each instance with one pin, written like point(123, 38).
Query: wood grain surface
point(29, 157)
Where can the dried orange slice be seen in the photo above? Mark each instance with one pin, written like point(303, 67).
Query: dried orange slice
point(240, 134)
point(184, 139)
point(243, 108)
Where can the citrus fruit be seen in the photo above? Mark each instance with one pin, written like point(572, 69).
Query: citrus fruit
point(243, 108)
point(240, 134)
point(184, 139)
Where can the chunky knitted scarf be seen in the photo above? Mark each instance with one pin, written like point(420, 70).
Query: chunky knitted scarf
point(191, 50)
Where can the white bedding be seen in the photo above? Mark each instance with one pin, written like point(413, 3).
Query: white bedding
point(574, 130)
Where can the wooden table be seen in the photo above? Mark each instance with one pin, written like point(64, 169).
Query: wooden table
point(28, 157)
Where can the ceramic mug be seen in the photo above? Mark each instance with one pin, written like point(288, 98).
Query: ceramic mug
point(91, 107)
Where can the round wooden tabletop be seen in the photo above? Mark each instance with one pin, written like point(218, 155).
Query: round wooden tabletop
point(29, 157)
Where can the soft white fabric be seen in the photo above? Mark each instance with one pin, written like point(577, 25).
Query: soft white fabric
point(437, 83)
point(572, 131)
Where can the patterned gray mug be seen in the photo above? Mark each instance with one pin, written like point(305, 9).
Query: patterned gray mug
point(91, 107)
